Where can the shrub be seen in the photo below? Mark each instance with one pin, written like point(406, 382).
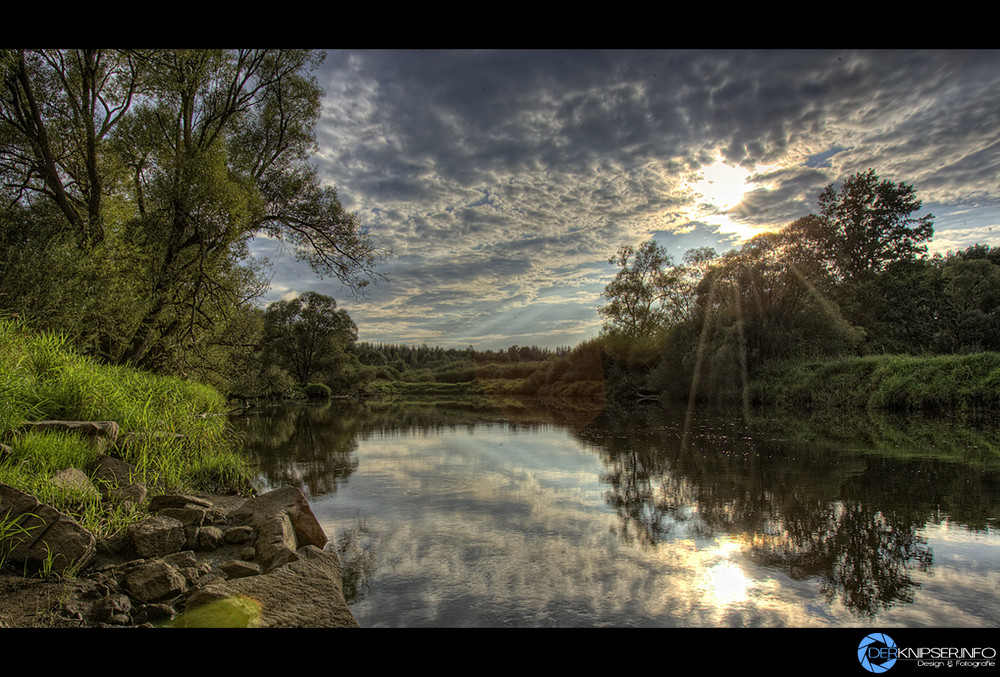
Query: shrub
point(317, 391)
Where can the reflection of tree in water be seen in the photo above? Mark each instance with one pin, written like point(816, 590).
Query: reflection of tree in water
point(647, 514)
point(863, 556)
point(845, 507)
point(812, 510)
point(358, 560)
point(303, 446)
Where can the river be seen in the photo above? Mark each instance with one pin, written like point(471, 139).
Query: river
point(568, 516)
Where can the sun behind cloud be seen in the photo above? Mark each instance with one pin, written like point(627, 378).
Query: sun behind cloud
point(718, 190)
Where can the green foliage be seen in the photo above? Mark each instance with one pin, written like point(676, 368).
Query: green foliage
point(851, 280)
point(317, 391)
point(649, 293)
point(179, 437)
point(307, 336)
point(940, 383)
point(579, 373)
point(133, 183)
point(867, 225)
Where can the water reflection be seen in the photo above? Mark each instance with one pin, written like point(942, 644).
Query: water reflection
point(732, 517)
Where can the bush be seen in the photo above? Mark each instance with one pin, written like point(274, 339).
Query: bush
point(317, 391)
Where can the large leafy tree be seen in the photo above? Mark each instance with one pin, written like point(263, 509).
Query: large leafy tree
point(864, 228)
point(162, 166)
point(650, 293)
point(307, 335)
point(868, 224)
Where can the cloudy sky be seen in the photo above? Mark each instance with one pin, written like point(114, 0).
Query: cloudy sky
point(503, 181)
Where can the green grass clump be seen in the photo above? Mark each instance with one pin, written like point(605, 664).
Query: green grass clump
point(179, 438)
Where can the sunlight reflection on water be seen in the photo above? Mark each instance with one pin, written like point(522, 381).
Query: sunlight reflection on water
point(494, 525)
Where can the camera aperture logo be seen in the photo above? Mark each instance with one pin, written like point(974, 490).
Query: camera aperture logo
point(878, 652)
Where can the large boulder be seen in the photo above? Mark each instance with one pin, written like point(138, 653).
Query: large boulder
point(284, 523)
point(40, 537)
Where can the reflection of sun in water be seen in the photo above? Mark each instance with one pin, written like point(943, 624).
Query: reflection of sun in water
point(720, 188)
point(724, 580)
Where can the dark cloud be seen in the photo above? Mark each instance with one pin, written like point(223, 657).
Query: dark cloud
point(496, 174)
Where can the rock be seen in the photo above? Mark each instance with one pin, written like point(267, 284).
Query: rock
point(238, 569)
point(154, 581)
point(275, 599)
point(106, 608)
point(114, 479)
point(276, 542)
point(289, 501)
point(238, 534)
point(154, 612)
point(295, 585)
point(164, 501)
point(211, 608)
point(184, 558)
point(157, 536)
point(76, 482)
point(284, 523)
point(189, 517)
point(209, 538)
point(41, 537)
point(132, 494)
point(113, 471)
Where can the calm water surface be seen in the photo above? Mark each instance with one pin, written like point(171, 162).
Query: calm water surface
point(549, 517)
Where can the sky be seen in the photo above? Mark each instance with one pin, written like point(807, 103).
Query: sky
point(503, 181)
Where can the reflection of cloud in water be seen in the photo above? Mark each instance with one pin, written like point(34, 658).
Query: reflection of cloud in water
point(522, 525)
point(518, 544)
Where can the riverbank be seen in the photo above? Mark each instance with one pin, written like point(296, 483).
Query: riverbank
point(901, 383)
point(174, 432)
point(197, 561)
point(124, 500)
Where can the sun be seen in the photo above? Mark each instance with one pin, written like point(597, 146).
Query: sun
point(722, 185)
point(718, 189)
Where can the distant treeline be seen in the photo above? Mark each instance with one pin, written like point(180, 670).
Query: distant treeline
point(433, 357)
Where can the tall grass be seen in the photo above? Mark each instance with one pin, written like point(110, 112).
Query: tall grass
point(178, 438)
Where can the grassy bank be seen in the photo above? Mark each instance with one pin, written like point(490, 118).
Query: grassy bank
point(941, 383)
point(177, 440)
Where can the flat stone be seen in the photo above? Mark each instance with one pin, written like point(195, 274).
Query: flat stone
point(163, 501)
point(39, 536)
point(239, 569)
point(306, 593)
